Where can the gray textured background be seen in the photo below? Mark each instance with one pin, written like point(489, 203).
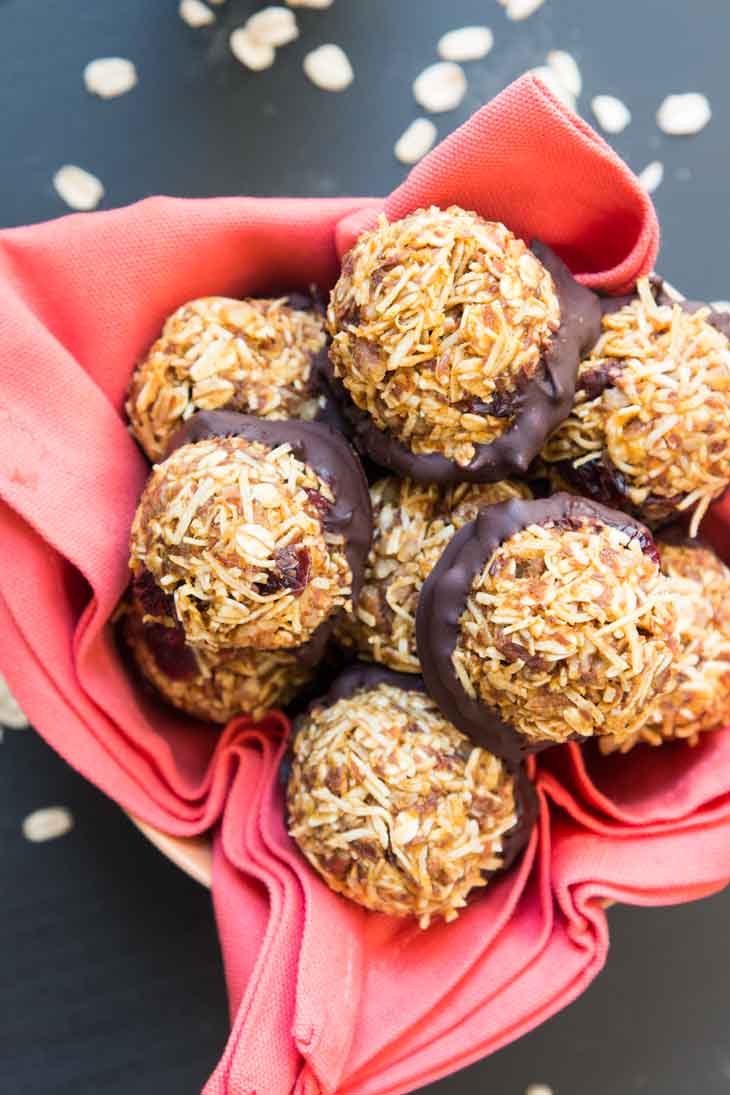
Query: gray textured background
point(111, 981)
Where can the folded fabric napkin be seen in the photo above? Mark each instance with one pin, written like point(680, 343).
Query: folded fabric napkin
point(324, 997)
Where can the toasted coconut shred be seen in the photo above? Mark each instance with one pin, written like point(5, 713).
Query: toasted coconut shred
point(568, 631)
point(233, 532)
point(662, 417)
point(437, 322)
point(253, 356)
point(221, 684)
point(700, 698)
point(413, 523)
point(394, 807)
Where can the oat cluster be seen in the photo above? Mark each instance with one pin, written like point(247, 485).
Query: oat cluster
point(413, 523)
point(234, 533)
point(394, 807)
point(653, 406)
point(211, 685)
point(700, 697)
point(437, 322)
point(568, 631)
point(253, 356)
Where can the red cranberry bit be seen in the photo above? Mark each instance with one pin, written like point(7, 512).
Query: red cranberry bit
point(173, 656)
point(292, 570)
point(148, 594)
point(595, 381)
point(318, 500)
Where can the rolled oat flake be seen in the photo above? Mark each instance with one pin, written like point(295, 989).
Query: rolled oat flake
point(684, 115)
point(48, 823)
point(78, 188)
point(108, 77)
point(415, 141)
point(195, 13)
point(329, 68)
point(440, 87)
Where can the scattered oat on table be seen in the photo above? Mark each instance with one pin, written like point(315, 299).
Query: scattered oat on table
point(273, 26)
point(415, 141)
point(108, 77)
point(611, 113)
point(538, 1089)
point(652, 175)
point(520, 9)
point(11, 713)
point(78, 188)
point(47, 824)
point(195, 13)
point(249, 51)
point(465, 44)
point(566, 71)
point(684, 115)
point(554, 84)
point(329, 68)
point(440, 87)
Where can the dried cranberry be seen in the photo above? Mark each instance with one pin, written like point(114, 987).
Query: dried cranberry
point(599, 479)
point(514, 652)
point(595, 381)
point(318, 500)
point(503, 404)
point(173, 656)
point(150, 597)
point(291, 571)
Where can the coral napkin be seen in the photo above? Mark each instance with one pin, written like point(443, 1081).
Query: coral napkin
point(324, 997)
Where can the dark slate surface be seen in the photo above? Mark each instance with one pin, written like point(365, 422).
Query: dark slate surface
point(111, 977)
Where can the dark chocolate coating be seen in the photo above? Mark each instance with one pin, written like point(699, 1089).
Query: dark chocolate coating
point(360, 675)
point(600, 478)
point(363, 675)
point(526, 807)
point(323, 450)
point(542, 403)
point(305, 300)
point(444, 595)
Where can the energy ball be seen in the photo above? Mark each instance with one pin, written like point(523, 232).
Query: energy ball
point(396, 809)
point(454, 346)
point(700, 698)
point(547, 621)
point(650, 428)
point(412, 524)
point(252, 533)
point(254, 356)
point(214, 686)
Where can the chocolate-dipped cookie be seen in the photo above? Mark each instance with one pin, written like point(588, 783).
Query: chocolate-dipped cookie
point(253, 533)
point(455, 348)
point(546, 621)
point(649, 431)
point(394, 807)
